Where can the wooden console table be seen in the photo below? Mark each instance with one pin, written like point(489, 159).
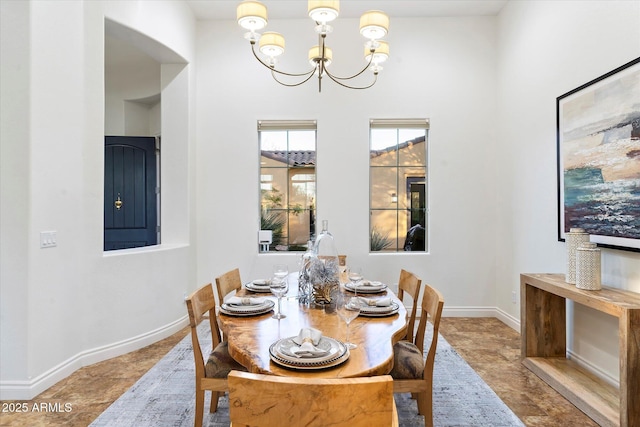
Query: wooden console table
point(544, 347)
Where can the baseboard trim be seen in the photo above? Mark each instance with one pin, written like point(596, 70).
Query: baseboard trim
point(593, 369)
point(496, 312)
point(26, 390)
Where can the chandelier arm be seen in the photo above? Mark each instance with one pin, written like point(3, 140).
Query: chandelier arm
point(375, 79)
point(273, 69)
point(334, 77)
point(273, 74)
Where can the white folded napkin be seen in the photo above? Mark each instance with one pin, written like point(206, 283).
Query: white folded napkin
point(245, 301)
point(307, 340)
point(382, 302)
point(367, 283)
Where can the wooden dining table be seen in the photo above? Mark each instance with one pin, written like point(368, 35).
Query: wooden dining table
point(250, 337)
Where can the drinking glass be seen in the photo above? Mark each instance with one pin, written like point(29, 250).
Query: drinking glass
point(279, 287)
point(348, 308)
point(280, 270)
point(355, 276)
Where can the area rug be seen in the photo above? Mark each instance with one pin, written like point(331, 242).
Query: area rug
point(165, 395)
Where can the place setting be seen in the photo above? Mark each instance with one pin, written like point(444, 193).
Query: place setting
point(260, 286)
point(309, 350)
point(246, 306)
point(358, 284)
point(263, 286)
point(377, 307)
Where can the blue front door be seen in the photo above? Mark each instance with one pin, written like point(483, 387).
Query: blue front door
point(130, 207)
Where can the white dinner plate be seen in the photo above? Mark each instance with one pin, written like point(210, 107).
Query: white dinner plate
point(257, 288)
point(372, 309)
point(374, 288)
point(247, 310)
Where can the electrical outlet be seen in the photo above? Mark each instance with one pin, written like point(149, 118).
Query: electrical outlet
point(513, 297)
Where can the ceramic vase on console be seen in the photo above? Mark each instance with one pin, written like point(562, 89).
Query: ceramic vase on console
point(575, 238)
point(324, 272)
point(588, 273)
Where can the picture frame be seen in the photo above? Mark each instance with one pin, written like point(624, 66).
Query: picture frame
point(598, 158)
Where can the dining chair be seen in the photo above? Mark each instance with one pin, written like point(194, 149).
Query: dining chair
point(272, 401)
point(409, 283)
point(411, 372)
point(227, 283)
point(212, 374)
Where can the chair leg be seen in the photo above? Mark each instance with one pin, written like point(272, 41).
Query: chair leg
point(199, 407)
point(213, 407)
point(425, 407)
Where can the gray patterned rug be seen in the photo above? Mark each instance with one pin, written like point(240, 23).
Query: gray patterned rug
point(165, 396)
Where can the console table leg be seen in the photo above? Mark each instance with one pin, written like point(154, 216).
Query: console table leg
point(630, 368)
point(545, 323)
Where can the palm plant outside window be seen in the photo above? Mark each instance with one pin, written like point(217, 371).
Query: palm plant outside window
point(398, 185)
point(288, 182)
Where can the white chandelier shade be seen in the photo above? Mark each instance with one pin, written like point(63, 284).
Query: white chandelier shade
point(272, 44)
point(315, 55)
point(381, 53)
point(323, 11)
point(374, 24)
point(252, 15)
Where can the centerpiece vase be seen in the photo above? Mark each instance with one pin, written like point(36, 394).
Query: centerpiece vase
point(304, 283)
point(324, 272)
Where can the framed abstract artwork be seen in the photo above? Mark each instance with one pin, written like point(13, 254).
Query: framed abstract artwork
point(598, 146)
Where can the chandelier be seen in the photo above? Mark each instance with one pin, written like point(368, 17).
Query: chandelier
point(374, 24)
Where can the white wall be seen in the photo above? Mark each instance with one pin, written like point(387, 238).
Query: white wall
point(547, 48)
point(71, 305)
point(443, 69)
point(132, 84)
point(14, 188)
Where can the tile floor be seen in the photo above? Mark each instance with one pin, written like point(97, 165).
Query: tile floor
point(488, 345)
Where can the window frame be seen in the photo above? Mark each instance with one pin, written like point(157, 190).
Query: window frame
point(291, 170)
point(399, 209)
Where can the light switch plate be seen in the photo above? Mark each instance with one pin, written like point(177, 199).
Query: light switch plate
point(48, 239)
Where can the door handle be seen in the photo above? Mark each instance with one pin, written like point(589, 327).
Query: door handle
point(118, 203)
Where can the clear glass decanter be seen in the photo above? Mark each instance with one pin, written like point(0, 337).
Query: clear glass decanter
point(304, 283)
point(325, 270)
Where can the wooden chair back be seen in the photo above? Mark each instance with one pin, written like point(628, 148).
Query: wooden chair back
point(431, 309)
point(272, 401)
point(227, 283)
point(409, 283)
point(200, 304)
point(422, 388)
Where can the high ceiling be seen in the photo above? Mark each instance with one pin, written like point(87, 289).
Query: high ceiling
point(286, 9)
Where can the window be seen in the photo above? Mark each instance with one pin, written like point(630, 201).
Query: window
point(398, 185)
point(287, 183)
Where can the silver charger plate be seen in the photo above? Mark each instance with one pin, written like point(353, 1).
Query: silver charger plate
point(280, 354)
point(247, 310)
